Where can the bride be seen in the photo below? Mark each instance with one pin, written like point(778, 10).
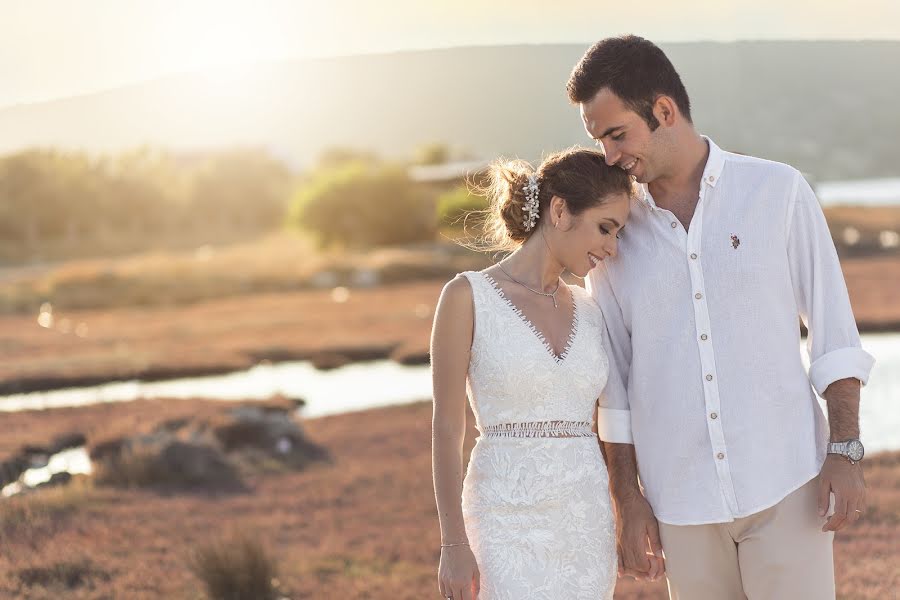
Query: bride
point(532, 517)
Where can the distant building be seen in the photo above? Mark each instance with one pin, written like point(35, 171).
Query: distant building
point(449, 173)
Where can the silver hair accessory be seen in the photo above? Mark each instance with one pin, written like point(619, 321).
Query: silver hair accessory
point(532, 208)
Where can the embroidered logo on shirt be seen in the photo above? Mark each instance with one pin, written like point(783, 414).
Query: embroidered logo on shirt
point(735, 241)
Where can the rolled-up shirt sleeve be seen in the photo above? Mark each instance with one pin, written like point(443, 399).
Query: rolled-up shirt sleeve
point(833, 341)
point(613, 412)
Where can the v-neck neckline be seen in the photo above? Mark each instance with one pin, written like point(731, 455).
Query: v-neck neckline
point(573, 329)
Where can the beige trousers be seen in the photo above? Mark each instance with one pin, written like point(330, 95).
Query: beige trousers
point(777, 554)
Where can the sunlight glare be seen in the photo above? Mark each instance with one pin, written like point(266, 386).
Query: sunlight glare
point(215, 35)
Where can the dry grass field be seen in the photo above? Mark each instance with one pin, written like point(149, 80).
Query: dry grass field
point(360, 526)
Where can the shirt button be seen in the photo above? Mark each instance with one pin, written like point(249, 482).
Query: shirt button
point(720, 455)
point(674, 224)
point(694, 256)
point(713, 416)
point(698, 295)
point(712, 178)
point(709, 377)
point(704, 337)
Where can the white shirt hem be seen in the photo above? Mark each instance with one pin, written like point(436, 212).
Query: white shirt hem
point(743, 514)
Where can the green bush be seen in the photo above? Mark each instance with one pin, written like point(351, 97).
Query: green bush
point(455, 205)
point(363, 206)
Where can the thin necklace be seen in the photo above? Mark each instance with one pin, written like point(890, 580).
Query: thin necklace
point(548, 294)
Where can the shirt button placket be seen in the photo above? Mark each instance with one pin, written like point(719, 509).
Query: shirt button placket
point(707, 359)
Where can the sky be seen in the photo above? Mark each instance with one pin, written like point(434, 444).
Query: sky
point(59, 48)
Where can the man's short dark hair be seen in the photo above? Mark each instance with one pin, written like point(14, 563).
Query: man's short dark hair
point(635, 70)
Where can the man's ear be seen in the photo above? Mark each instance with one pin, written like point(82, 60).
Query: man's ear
point(665, 109)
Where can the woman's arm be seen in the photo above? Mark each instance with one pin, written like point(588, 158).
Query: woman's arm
point(451, 344)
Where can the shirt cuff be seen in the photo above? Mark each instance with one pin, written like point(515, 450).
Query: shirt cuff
point(840, 364)
point(614, 425)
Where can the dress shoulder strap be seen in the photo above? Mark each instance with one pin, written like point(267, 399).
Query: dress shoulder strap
point(479, 284)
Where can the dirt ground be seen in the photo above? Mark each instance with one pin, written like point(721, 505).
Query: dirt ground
point(361, 526)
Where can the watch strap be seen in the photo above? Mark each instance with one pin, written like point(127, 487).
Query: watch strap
point(838, 448)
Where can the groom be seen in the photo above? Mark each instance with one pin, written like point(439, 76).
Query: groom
point(716, 445)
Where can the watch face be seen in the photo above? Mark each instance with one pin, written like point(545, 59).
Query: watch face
point(855, 450)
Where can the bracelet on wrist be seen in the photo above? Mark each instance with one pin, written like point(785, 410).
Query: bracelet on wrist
point(454, 544)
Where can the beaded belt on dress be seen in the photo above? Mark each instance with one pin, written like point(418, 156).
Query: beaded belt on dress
point(539, 429)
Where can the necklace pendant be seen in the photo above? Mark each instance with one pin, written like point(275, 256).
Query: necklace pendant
point(554, 301)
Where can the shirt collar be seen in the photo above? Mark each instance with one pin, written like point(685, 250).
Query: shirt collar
point(715, 162)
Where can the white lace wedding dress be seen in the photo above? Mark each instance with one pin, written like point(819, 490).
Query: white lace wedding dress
point(536, 495)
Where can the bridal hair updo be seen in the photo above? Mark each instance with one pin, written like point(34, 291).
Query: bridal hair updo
point(580, 176)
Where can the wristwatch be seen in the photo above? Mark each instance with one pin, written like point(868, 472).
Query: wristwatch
point(852, 450)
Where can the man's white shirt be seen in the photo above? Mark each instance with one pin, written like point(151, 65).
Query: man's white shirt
point(706, 377)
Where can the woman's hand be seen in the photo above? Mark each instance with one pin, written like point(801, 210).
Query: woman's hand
point(458, 576)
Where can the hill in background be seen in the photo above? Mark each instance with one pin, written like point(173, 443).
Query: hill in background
point(825, 107)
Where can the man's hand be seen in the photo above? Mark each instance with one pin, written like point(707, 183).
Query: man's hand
point(637, 540)
point(846, 481)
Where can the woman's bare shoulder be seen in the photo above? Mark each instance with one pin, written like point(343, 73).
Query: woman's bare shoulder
point(457, 291)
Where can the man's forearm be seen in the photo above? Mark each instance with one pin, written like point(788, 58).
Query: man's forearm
point(622, 466)
point(842, 399)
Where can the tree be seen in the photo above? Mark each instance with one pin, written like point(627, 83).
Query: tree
point(242, 190)
point(454, 207)
point(363, 206)
point(335, 157)
point(48, 194)
point(433, 154)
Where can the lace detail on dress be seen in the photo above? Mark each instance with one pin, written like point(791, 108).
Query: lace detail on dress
point(539, 429)
point(540, 336)
point(536, 505)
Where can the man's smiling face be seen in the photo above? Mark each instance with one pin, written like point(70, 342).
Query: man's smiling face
point(625, 136)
